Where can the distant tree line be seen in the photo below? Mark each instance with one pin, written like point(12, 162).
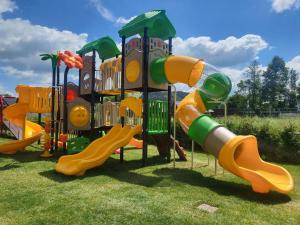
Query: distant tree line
point(274, 89)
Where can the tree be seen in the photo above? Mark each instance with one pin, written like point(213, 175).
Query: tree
point(274, 88)
point(293, 88)
point(237, 102)
point(254, 86)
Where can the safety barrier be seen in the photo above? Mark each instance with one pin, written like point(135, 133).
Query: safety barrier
point(37, 98)
point(109, 76)
point(106, 114)
point(158, 117)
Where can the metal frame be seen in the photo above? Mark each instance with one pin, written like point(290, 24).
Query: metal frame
point(145, 95)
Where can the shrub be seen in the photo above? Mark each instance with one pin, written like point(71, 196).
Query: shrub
point(278, 138)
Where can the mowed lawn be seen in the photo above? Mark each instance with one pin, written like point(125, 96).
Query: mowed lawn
point(31, 192)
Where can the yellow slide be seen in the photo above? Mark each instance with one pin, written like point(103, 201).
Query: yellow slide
point(238, 154)
point(98, 151)
point(15, 116)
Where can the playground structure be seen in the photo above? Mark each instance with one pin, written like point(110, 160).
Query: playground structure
point(145, 64)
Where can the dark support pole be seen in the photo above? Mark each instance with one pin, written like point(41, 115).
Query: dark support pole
point(79, 76)
point(58, 107)
point(145, 95)
point(52, 107)
point(122, 88)
point(65, 125)
point(93, 97)
point(170, 110)
point(39, 122)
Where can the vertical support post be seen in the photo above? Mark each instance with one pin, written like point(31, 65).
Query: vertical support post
point(93, 96)
point(216, 166)
point(174, 127)
point(170, 109)
point(122, 88)
point(145, 95)
point(52, 107)
point(79, 76)
point(39, 122)
point(193, 148)
point(65, 120)
point(58, 107)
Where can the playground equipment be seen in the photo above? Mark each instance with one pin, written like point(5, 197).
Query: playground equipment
point(31, 99)
point(145, 64)
point(100, 149)
point(47, 139)
point(237, 154)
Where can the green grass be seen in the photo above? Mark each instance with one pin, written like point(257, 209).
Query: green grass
point(31, 192)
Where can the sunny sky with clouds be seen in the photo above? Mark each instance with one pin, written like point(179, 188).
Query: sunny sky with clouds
point(228, 34)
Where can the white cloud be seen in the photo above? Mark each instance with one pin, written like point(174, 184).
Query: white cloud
point(223, 53)
point(4, 91)
point(7, 6)
point(122, 20)
point(22, 43)
point(108, 15)
point(294, 63)
point(283, 5)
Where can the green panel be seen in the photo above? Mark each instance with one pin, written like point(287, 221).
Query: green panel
point(77, 144)
point(201, 127)
point(216, 87)
point(157, 70)
point(156, 21)
point(106, 48)
point(157, 117)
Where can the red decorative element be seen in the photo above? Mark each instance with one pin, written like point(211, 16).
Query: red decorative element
point(63, 138)
point(47, 146)
point(70, 59)
point(71, 94)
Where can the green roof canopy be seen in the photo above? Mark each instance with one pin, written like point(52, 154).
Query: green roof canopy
point(156, 21)
point(106, 48)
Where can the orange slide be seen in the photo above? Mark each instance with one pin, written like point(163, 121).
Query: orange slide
point(31, 100)
point(15, 116)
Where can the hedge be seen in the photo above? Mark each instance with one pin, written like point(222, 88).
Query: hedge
point(278, 138)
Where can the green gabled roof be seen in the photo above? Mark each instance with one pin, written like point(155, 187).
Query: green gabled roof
point(156, 21)
point(106, 48)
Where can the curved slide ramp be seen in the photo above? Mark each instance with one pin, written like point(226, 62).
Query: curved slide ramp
point(27, 132)
point(237, 154)
point(98, 151)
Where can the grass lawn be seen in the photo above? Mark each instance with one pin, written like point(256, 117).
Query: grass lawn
point(31, 192)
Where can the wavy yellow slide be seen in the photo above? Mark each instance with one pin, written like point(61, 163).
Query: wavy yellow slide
point(98, 151)
point(16, 114)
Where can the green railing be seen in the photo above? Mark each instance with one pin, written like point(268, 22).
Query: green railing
point(157, 117)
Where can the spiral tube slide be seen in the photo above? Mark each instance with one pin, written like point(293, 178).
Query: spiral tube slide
point(237, 154)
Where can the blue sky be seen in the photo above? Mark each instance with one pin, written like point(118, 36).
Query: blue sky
point(228, 34)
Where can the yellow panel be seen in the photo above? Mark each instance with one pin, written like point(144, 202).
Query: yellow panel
point(79, 116)
point(133, 71)
point(135, 104)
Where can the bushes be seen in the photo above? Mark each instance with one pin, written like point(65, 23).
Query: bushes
point(278, 138)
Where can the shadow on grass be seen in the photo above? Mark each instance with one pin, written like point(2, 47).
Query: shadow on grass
point(113, 168)
point(9, 166)
point(28, 156)
point(221, 187)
